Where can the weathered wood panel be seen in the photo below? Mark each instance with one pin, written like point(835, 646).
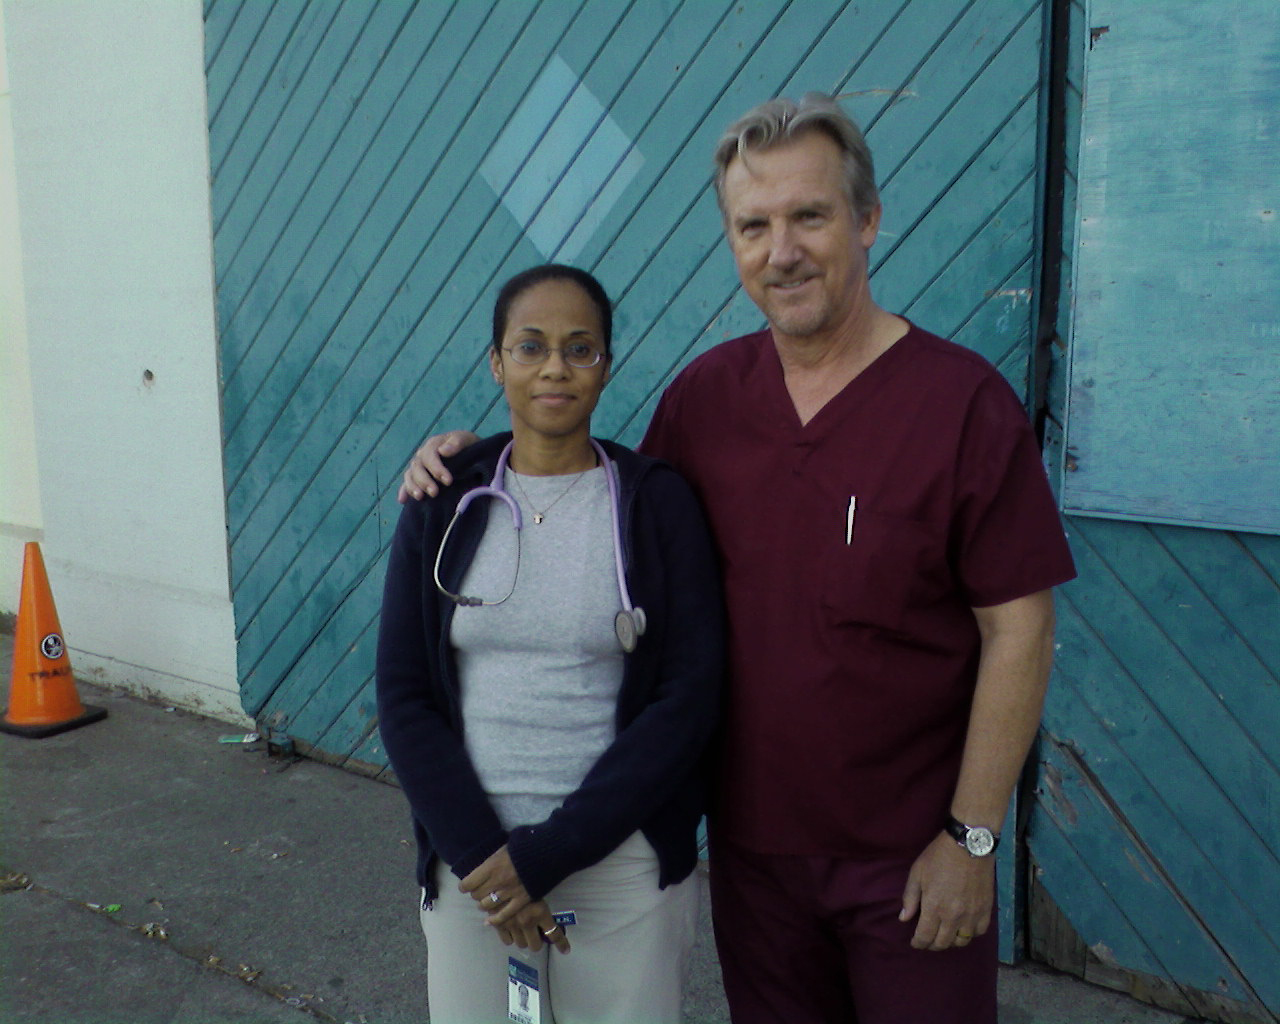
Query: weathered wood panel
point(1174, 405)
point(1162, 722)
point(1164, 747)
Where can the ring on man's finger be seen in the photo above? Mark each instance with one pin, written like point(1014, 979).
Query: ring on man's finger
point(548, 932)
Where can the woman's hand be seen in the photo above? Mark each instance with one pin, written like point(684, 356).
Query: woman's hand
point(531, 927)
point(517, 918)
point(496, 887)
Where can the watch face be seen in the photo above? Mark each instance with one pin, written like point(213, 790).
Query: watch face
point(979, 842)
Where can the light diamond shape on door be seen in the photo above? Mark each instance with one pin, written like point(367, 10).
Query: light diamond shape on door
point(561, 163)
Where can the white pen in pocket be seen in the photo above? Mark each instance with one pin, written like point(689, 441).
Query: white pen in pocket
point(848, 518)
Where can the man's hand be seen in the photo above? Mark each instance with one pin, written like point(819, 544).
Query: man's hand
point(425, 474)
point(496, 887)
point(953, 894)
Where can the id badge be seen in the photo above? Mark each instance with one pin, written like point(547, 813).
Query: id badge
point(522, 993)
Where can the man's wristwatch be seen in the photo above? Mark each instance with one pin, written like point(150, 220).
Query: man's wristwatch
point(978, 840)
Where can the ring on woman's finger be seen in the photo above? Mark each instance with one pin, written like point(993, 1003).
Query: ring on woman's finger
point(963, 938)
point(494, 898)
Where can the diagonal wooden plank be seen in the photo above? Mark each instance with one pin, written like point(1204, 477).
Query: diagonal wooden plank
point(321, 37)
point(269, 44)
point(219, 21)
point(1171, 798)
point(243, 22)
point(342, 165)
point(1164, 635)
point(966, 208)
point(1141, 921)
point(341, 65)
point(347, 264)
point(1002, 319)
point(325, 673)
point(1224, 568)
point(1222, 611)
point(1007, 78)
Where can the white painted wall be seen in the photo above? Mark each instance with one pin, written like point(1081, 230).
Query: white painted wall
point(19, 488)
point(119, 471)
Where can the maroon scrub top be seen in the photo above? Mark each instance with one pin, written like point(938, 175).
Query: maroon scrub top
point(854, 652)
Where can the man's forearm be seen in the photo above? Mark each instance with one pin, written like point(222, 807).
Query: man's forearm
point(1017, 653)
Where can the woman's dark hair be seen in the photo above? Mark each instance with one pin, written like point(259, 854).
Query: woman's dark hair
point(526, 279)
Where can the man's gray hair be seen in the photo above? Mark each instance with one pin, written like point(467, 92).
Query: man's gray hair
point(781, 120)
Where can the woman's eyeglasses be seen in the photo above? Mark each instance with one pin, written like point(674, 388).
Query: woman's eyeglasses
point(577, 354)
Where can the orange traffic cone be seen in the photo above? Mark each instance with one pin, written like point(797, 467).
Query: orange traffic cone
point(42, 691)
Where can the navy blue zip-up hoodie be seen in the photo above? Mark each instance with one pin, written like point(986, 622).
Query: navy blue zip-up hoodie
point(652, 777)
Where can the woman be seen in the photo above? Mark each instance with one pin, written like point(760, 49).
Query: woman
point(546, 712)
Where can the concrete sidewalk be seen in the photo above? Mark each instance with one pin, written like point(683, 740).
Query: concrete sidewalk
point(150, 873)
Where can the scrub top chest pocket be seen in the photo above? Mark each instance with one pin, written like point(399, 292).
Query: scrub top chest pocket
point(872, 566)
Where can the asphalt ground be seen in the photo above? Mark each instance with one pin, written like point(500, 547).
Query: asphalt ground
point(151, 873)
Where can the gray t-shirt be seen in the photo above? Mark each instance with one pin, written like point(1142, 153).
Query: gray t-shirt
point(540, 673)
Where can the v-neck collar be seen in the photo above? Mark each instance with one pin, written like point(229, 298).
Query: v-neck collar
point(843, 400)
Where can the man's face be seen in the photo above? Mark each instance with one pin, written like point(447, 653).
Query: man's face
point(800, 249)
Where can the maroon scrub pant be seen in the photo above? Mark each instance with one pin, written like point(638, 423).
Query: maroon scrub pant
point(817, 940)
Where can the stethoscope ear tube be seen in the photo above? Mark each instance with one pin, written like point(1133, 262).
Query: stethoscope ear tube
point(494, 490)
point(462, 600)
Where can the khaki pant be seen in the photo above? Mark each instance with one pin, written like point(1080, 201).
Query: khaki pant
point(631, 947)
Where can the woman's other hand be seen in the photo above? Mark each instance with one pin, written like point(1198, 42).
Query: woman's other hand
point(533, 926)
point(425, 473)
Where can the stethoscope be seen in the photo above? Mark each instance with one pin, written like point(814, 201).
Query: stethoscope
point(628, 624)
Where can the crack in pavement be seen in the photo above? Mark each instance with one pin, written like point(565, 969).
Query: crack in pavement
point(18, 881)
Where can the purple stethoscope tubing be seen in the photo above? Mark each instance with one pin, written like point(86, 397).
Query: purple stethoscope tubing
point(628, 624)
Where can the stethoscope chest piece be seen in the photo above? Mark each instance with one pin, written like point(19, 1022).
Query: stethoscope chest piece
point(629, 625)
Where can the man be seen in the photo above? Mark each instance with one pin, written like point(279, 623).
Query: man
point(889, 545)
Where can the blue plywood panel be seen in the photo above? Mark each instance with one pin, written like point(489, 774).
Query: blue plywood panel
point(1174, 406)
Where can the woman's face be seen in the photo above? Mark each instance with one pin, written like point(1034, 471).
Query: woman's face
point(551, 399)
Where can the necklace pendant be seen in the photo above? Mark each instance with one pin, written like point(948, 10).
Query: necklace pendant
point(538, 517)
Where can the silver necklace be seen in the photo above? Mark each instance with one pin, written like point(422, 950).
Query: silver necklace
point(539, 516)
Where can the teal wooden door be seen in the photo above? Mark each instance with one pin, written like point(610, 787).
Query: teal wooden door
point(378, 169)
point(1155, 832)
